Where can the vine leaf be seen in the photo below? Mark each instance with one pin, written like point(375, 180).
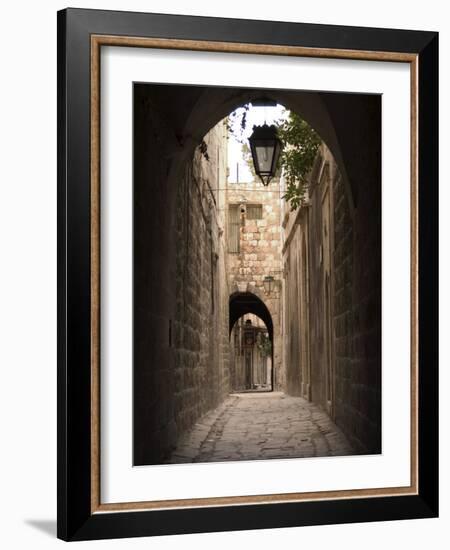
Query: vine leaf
point(300, 146)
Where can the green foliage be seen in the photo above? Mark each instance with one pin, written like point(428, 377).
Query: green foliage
point(300, 145)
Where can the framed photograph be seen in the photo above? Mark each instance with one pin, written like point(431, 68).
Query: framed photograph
point(247, 270)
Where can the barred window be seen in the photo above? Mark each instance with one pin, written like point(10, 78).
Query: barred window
point(233, 228)
point(254, 211)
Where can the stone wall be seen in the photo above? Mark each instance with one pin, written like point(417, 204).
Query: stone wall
point(180, 327)
point(322, 327)
point(332, 289)
point(259, 254)
point(357, 313)
point(295, 325)
point(201, 323)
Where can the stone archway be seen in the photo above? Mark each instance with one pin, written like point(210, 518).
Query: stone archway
point(245, 302)
point(345, 122)
point(248, 302)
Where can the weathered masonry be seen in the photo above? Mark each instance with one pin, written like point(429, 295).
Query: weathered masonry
point(181, 318)
point(254, 253)
point(332, 297)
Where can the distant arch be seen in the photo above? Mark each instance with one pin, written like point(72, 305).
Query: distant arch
point(247, 302)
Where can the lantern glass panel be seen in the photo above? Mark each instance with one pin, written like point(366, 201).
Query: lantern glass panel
point(264, 153)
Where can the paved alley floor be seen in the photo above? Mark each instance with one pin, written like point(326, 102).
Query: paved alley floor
point(250, 426)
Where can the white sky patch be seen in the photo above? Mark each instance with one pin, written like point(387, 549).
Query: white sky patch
point(238, 167)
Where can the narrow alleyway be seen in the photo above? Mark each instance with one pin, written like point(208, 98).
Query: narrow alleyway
point(255, 273)
point(249, 426)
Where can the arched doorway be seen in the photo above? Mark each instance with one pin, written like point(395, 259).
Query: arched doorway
point(251, 338)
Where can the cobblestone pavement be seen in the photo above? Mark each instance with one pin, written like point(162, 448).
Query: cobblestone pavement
point(250, 426)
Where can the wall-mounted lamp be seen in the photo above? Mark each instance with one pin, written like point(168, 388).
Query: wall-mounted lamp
point(268, 283)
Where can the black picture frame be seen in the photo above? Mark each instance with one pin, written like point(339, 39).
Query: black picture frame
point(76, 521)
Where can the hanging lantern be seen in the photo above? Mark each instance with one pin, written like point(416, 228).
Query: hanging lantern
point(266, 148)
point(268, 282)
